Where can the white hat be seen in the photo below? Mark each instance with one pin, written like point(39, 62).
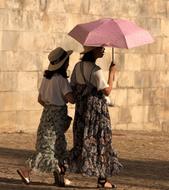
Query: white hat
point(57, 58)
point(87, 49)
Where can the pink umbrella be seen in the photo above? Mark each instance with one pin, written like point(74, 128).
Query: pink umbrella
point(111, 33)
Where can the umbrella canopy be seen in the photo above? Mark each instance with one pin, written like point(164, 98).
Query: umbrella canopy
point(110, 32)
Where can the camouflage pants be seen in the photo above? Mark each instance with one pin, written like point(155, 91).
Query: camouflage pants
point(51, 143)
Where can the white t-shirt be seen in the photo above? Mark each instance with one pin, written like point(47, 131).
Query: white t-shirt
point(97, 78)
point(52, 90)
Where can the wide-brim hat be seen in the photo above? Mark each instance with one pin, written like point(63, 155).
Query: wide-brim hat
point(88, 49)
point(57, 58)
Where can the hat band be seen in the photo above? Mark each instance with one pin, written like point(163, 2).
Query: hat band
point(61, 57)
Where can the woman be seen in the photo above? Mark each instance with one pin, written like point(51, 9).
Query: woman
point(92, 152)
point(54, 93)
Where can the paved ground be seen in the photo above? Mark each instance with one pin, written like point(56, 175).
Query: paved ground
point(145, 157)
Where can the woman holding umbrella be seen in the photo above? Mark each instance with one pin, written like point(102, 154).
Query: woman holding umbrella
point(92, 153)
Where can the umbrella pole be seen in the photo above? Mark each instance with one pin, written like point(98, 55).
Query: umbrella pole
point(113, 61)
point(113, 55)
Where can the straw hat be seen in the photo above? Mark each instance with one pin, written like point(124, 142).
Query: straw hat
point(57, 58)
point(87, 49)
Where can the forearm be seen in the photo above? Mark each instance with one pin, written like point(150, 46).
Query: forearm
point(111, 77)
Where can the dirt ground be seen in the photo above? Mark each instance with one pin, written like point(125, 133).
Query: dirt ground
point(145, 156)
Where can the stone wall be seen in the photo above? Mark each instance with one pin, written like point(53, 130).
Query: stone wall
point(29, 29)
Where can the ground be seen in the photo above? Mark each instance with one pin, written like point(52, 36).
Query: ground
point(145, 156)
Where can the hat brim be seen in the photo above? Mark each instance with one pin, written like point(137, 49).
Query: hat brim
point(88, 49)
point(58, 65)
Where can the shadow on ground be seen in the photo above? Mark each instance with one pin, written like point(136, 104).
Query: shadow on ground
point(135, 172)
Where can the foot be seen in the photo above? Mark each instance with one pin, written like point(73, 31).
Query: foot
point(24, 174)
point(67, 181)
point(103, 183)
point(59, 179)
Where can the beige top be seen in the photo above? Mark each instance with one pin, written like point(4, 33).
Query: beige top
point(52, 90)
point(97, 78)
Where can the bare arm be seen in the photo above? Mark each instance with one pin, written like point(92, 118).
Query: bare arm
point(112, 70)
point(69, 97)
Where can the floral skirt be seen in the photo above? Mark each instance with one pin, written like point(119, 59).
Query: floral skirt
point(51, 145)
point(92, 153)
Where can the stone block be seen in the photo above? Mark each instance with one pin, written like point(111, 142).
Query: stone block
point(134, 97)
point(153, 25)
point(74, 7)
point(156, 113)
point(114, 115)
point(27, 121)
point(158, 46)
point(154, 79)
point(167, 8)
point(12, 101)
point(119, 97)
point(132, 62)
point(27, 81)
point(165, 126)
point(124, 115)
point(139, 114)
point(3, 60)
point(160, 8)
point(142, 79)
point(164, 78)
point(161, 61)
point(39, 41)
point(153, 62)
point(8, 81)
point(8, 101)
point(15, 4)
point(31, 5)
point(106, 7)
point(2, 4)
point(56, 6)
point(120, 127)
point(165, 97)
point(125, 79)
point(8, 121)
point(9, 40)
point(29, 101)
point(19, 61)
point(153, 96)
point(3, 18)
point(165, 45)
point(16, 20)
point(165, 27)
point(135, 126)
point(150, 126)
point(54, 22)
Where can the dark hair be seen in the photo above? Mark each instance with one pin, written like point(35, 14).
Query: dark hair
point(62, 71)
point(88, 57)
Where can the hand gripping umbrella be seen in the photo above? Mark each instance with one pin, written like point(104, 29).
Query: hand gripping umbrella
point(108, 32)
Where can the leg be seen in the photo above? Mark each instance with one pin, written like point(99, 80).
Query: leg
point(24, 173)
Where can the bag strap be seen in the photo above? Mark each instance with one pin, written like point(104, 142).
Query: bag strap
point(82, 71)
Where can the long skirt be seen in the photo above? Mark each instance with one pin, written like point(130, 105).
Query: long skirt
point(92, 153)
point(51, 145)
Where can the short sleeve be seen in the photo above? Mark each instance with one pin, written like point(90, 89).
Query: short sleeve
point(65, 86)
point(100, 80)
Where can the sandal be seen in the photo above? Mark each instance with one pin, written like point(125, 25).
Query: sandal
point(59, 177)
point(102, 184)
point(25, 179)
